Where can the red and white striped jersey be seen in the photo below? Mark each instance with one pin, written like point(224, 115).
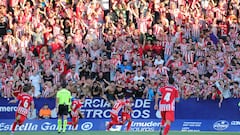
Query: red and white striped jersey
point(189, 57)
point(127, 106)
point(76, 104)
point(152, 72)
point(47, 91)
point(7, 90)
point(163, 70)
point(25, 101)
point(169, 94)
point(47, 64)
point(117, 107)
point(168, 48)
point(69, 76)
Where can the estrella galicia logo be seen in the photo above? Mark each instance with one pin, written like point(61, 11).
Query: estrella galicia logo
point(221, 125)
point(87, 126)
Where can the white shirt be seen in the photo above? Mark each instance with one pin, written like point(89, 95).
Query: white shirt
point(35, 79)
point(158, 62)
point(137, 78)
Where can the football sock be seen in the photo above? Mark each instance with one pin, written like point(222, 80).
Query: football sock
point(74, 126)
point(110, 125)
point(163, 123)
point(129, 125)
point(64, 125)
point(161, 130)
point(166, 130)
point(14, 126)
point(59, 125)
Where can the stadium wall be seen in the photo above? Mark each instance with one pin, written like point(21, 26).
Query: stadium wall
point(191, 115)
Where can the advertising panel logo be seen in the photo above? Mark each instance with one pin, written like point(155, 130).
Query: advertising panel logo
point(235, 123)
point(221, 125)
point(158, 115)
point(87, 126)
point(145, 126)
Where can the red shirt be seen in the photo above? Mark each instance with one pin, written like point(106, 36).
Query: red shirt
point(140, 51)
point(125, 109)
point(55, 47)
point(157, 49)
point(147, 47)
point(76, 105)
point(169, 94)
point(25, 101)
point(118, 106)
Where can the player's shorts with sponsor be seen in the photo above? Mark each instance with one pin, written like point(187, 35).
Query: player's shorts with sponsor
point(22, 118)
point(63, 110)
point(114, 117)
point(168, 115)
point(126, 116)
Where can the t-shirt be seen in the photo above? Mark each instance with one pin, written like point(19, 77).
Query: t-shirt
point(48, 78)
point(120, 94)
point(3, 28)
point(76, 104)
point(117, 107)
point(25, 101)
point(64, 97)
point(35, 79)
point(169, 94)
point(139, 91)
point(45, 112)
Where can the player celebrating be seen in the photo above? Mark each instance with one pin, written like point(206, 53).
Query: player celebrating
point(25, 103)
point(167, 105)
point(114, 113)
point(75, 112)
point(126, 114)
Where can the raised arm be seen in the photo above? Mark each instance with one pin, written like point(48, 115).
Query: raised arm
point(156, 101)
point(108, 83)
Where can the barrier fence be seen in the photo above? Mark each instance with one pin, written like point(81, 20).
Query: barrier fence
point(191, 115)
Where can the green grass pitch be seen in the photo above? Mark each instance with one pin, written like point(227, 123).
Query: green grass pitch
point(118, 133)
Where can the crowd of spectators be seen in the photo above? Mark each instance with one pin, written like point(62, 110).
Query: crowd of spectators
point(129, 50)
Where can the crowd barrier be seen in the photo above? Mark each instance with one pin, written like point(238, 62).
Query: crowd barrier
point(191, 115)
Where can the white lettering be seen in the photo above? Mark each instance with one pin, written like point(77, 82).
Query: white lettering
point(146, 129)
point(106, 113)
point(97, 113)
point(145, 124)
point(147, 103)
point(4, 127)
point(235, 123)
point(192, 124)
point(8, 108)
point(88, 112)
point(27, 127)
point(146, 114)
point(136, 114)
point(46, 126)
point(88, 103)
point(138, 103)
point(96, 103)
